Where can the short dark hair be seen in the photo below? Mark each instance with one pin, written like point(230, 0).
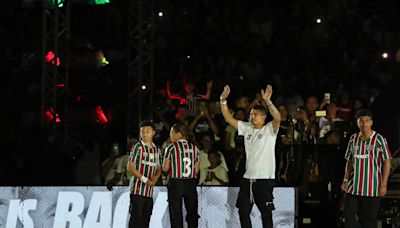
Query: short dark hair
point(261, 108)
point(364, 112)
point(181, 128)
point(213, 151)
point(148, 123)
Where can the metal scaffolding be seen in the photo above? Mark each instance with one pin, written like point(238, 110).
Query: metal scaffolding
point(140, 62)
point(55, 75)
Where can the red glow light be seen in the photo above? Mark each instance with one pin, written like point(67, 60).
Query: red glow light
point(101, 117)
point(49, 115)
point(51, 58)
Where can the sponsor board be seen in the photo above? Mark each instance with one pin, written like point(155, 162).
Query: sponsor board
point(95, 206)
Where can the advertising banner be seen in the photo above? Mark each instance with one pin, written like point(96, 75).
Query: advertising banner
point(97, 207)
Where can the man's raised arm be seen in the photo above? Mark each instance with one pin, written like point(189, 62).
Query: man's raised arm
point(276, 116)
point(224, 108)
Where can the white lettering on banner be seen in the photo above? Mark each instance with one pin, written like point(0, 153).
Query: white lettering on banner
point(70, 206)
point(26, 206)
point(20, 210)
point(110, 209)
point(13, 211)
point(99, 212)
point(160, 206)
point(121, 211)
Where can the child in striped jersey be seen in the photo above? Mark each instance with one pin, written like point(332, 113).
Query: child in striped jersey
point(181, 161)
point(366, 174)
point(145, 165)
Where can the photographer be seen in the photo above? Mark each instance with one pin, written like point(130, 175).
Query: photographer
point(203, 122)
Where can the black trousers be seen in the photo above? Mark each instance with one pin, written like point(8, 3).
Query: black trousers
point(361, 211)
point(185, 189)
point(141, 208)
point(261, 195)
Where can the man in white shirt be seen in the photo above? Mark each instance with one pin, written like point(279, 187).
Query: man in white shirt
point(260, 138)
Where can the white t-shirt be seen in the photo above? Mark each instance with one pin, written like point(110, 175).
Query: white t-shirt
point(260, 150)
point(219, 171)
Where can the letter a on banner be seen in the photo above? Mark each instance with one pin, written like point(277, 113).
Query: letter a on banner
point(121, 211)
point(99, 213)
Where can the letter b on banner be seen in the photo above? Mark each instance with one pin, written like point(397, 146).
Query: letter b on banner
point(69, 208)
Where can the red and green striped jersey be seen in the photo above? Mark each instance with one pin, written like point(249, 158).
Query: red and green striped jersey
point(368, 156)
point(183, 156)
point(145, 160)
